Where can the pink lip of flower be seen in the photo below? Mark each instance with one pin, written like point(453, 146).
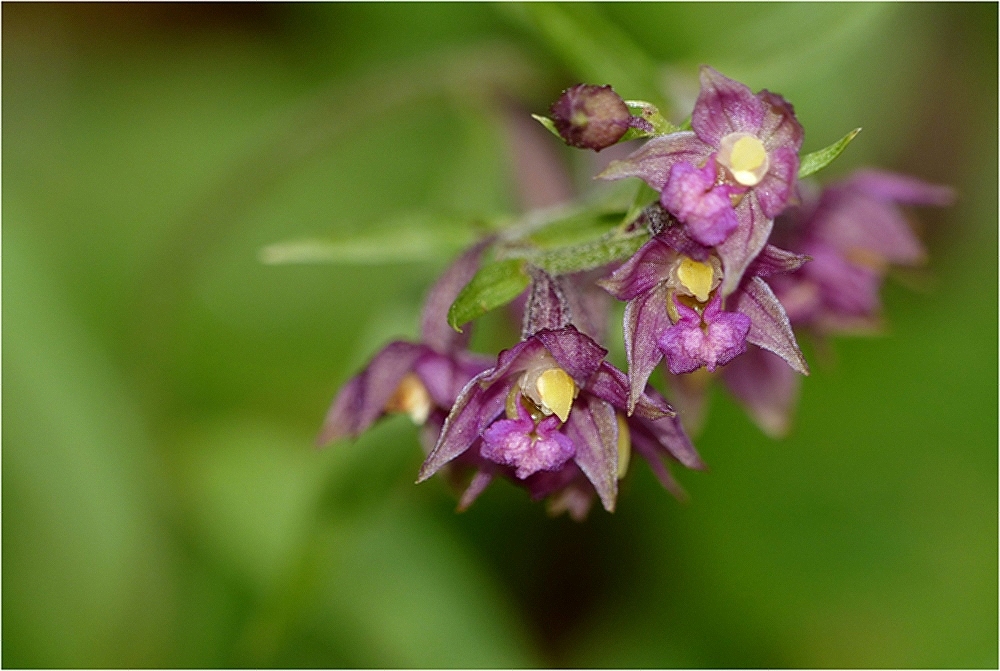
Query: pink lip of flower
point(704, 207)
point(755, 138)
point(713, 338)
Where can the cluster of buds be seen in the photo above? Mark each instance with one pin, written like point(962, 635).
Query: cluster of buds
point(738, 253)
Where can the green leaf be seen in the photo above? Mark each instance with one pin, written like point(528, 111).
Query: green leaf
point(411, 238)
point(548, 123)
point(610, 247)
point(817, 160)
point(651, 113)
point(497, 283)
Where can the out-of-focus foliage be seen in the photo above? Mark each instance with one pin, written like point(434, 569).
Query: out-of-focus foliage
point(163, 504)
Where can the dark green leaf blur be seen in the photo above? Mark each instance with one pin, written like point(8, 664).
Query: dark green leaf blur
point(163, 503)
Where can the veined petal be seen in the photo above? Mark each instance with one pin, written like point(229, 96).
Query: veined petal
point(776, 261)
point(644, 270)
point(775, 189)
point(480, 481)
point(363, 399)
point(779, 127)
point(512, 360)
point(593, 428)
point(725, 106)
point(653, 160)
point(475, 409)
point(612, 385)
point(851, 221)
point(576, 353)
point(745, 243)
point(645, 320)
point(900, 189)
point(769, 327)
point(671, 439)
point(647, 447)
point(766, 386)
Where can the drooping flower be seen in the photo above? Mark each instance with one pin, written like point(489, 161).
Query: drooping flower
point(854, 231)
point(753, 140)
point(676, 310)
point(548, 415)
point(421, 379)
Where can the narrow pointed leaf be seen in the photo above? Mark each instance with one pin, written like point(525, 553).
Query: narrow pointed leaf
point(497, 283)
point(548, 123)
point(610, 247)
point(817, 160)
point(410, 238)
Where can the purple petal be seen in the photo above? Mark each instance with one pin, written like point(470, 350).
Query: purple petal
point(775, 189)
point(576, 499)
point(850, 221)
point(575, 353)
point(705, 209)
point(678, 239)
point(844, 287)
point(646, 446)
point(593, 428)
point(434, 328)
point(779, 128)
point(652, 161)
point(769, 324)
point(612, 385)
point(513, 360)
point(776, 261)
point(745, 243)
point(645, 321)
point(725, 106)
point(480, 481)
point(474, 410)
point(363, 399)
point(529, 449)
point(669, 438)
point(544, 483)
point(766, 387)
point(644, 270)
point(902, 189)
point(688, 347)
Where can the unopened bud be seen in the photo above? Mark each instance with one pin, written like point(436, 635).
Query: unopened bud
point(590, 116)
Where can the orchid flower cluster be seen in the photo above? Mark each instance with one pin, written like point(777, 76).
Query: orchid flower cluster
point(720, 258)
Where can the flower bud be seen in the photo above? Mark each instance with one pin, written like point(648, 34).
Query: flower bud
point(590, 116)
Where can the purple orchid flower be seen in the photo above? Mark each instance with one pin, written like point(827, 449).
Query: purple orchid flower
point(547, 415)
point(421, 379)
point(854, 231)
point(753, 141)
point(676, 310)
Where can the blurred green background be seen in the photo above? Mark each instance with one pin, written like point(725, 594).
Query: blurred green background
point(163, 504)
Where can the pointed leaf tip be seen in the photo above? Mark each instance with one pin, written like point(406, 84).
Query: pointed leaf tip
point(548, 123)
point(495, 284)
point(817, 160)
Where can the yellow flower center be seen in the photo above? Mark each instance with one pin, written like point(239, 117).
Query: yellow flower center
point(624, 445)
point(745, 157)
point(411, 397)
point(696, 277)
point(556, 390)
